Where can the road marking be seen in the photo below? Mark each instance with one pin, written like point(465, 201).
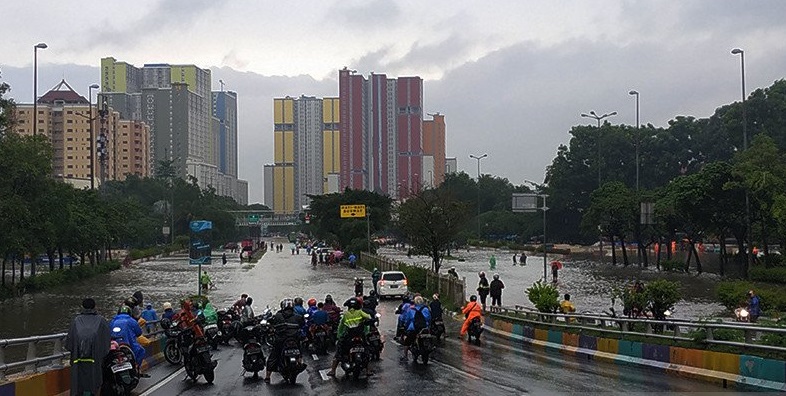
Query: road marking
point(323, 374)
point(163, 382)
point(314, 356)
point(456, 370)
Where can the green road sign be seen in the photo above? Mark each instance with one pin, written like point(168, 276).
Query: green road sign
point(253, 218)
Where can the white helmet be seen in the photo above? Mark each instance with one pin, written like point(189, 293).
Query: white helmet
point(167, 305)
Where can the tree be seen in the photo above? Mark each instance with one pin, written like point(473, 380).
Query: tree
point(349, 233)
point(614, 209)
point(431, 220)
point(7, 110)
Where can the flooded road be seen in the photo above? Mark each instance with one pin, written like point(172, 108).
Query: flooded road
point(590, 284)
point(169, 279)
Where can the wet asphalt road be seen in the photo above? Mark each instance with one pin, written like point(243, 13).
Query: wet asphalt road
point(497, 367)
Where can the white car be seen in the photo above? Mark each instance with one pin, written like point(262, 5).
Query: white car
point(391, 284)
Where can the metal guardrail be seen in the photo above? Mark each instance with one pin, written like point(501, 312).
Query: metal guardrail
point(32, 362)
point(673, 329)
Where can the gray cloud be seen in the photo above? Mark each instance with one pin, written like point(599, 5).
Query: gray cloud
point(362, 15)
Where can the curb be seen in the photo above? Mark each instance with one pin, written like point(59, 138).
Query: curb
point(717, 377)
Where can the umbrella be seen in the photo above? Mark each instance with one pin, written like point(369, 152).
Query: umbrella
point(556, 263)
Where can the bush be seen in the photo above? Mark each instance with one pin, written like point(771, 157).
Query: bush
point(661, 296)
point(48, 280)
point(544, 296)
point(734, 294)
point(764, 274)
point(672, 266)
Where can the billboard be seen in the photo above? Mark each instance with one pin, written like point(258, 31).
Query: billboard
point(200, 251)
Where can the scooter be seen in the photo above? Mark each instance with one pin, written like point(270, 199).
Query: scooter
point(475, 329)
point(253, 357)
point(438, 329)
point(423, 346)
point(119, 368)
point(290, 362)
point(375, 342)
point(356, 361)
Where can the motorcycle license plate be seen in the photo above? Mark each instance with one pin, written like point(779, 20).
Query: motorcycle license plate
point(252, 351)
point(356, 350)
point(373, 338)
point(211, 326)
point(121, 367)
point(203, 348)
point(394, 286)
point(291, 352)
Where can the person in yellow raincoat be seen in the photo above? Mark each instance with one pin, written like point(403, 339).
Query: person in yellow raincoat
point(471, 311)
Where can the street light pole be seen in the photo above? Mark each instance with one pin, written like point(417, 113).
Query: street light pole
point(478, 158)
point(749, 257)
point(544, 208)
point(92, 150)
point(599, 118)
point(638, 143)
point(35, 85)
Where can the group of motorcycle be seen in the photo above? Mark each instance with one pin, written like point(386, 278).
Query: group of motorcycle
point(191, 346)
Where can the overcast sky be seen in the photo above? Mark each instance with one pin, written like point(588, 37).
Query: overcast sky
point(511, 77)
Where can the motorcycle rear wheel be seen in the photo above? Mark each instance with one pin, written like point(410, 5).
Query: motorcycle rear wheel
point(210, 375)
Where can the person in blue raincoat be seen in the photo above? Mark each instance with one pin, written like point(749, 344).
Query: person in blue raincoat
point(124, 328)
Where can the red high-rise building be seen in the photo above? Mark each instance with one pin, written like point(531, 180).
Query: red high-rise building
point(381, 130)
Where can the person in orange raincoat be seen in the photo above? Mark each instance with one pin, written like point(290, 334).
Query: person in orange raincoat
point(471, 311)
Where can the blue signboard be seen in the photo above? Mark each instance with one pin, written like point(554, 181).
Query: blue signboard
point(200, 251)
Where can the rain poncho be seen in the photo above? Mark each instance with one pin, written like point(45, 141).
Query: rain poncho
point(88, 340)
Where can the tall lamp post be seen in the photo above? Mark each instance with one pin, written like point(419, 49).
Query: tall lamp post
point(749, 258)
point(92, 136)
point(478, 158)
point(35, 85)
point(638, 143)
point(599, 119)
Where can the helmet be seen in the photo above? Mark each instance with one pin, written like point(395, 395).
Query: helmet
point(360, 300)
point(167, 305)
point(312, 302)
point(453, 268)
point(482, 274)
point(353, 303)
point(298, 301)
point(131, 302)
point(249, 300)
point(496, 276)
point(405, 299)
point(125, 309)
point(473, 298)
point(287, 303)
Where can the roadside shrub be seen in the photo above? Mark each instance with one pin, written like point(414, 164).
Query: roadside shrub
point(765, 274)
point(544, 296)
point(734, 294)
point(672, 266)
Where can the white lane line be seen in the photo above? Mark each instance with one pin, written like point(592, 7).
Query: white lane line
point(314, 356)
point(163, 382)
point(323, 374)
point(456, 370)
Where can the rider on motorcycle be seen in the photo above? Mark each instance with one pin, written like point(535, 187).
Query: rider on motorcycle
point(287, 324)
point(352, 319)
point(418, 318)
point(129, 330)
point(247, 315)
point(186, 318)
point(312, 307)
point(299, 306)
point(471, 311)
point(435, 307)
point(401, 311)
point(334, 312)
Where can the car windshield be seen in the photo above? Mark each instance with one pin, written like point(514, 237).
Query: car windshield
point(395, 276)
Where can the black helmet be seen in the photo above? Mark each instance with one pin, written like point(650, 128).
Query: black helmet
point(328, 299)
point(249, 300)
point(353, 303)
point(298, 301)
point(131, 302)
point(287, 303)
point(473, 298)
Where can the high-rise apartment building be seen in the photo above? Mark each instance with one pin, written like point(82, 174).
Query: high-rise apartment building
point(306, 150)
point(434, 146)
point(65, 117)
point(177, 103)
point(381, 130)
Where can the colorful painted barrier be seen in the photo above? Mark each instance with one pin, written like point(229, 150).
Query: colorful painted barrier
point(742, 371)
point(57, 382)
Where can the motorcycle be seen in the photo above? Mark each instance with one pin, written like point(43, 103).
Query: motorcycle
point(226, 328)
point(475, 329)
point(356, 361)
point(375, 343)
point(253, 357)
point(289, 365)
point(120, 375)
point(213, 335)
point(199, 361)
point(741, 315)
point(320, 337)
point(177, 341)
point(267, 334)
point(438, 329)
point(423, 346)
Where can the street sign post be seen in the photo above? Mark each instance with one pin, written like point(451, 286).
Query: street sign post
point(353, 211)
point(253, 218)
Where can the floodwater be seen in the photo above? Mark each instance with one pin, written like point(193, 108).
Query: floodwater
point(589, 283)
point(169, 279)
